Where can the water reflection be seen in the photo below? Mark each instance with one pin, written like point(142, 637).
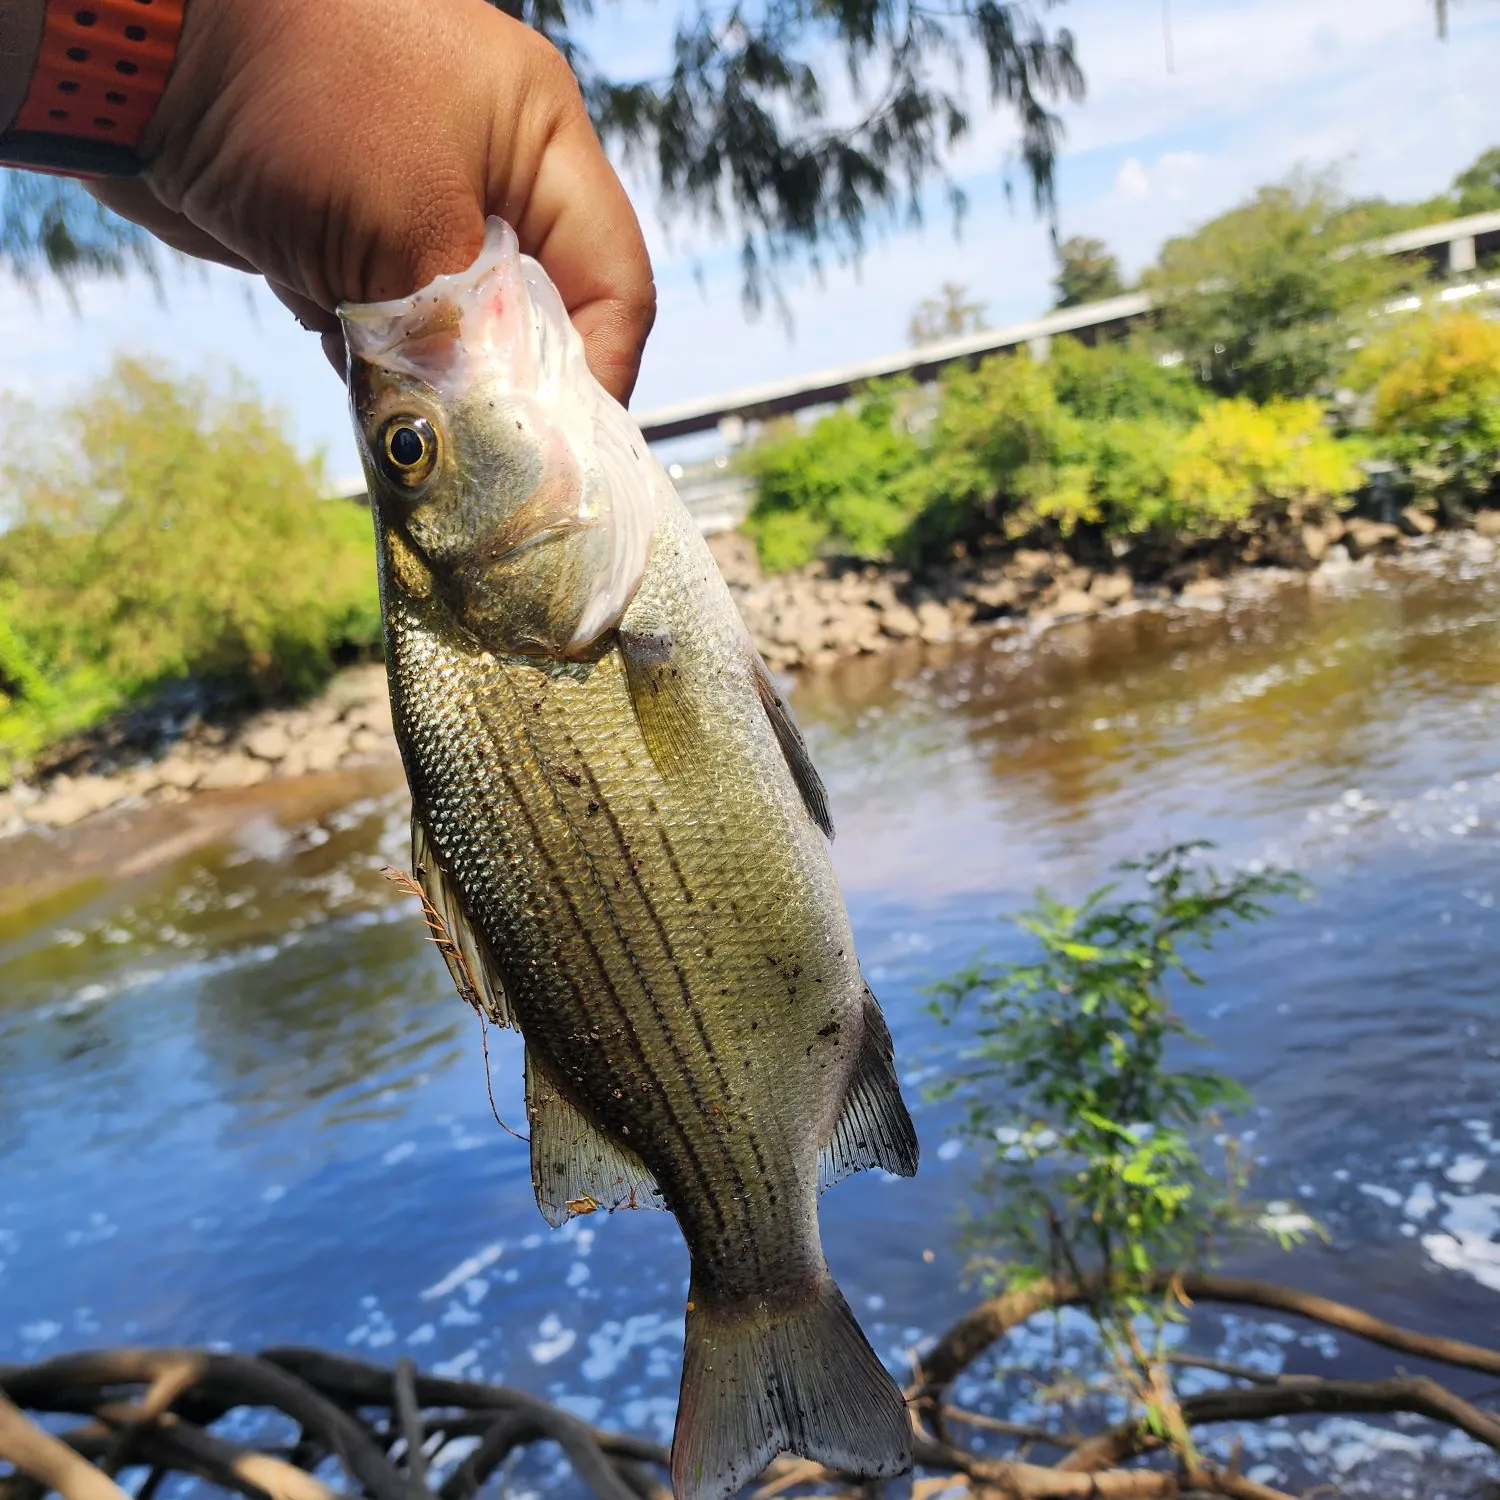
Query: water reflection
point(239, 1100)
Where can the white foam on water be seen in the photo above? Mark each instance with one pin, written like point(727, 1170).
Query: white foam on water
point(612, 1343)
point(553, 1341)
point(1466, 1170)
point(1386, 1195)
point(481, 1260)
point(1469, 1242)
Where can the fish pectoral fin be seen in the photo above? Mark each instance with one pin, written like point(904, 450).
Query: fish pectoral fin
point(464, 951)
point(663, 708)
point(575, 1167)
point(762, 1376)
point(873, 1128)
point(793, 746)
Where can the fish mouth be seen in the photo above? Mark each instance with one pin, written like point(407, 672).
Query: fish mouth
point(459, 325)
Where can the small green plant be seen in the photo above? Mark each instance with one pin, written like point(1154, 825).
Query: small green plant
point(1093, 1134)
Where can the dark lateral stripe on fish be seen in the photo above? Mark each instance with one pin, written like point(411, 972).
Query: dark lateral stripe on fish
point(606, 983)
point(751, 1139)
point(731, 1164)
point(690, 1004)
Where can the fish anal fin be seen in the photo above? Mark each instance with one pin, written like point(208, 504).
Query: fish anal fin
point(760, 1379)
point(575, 1167)
point(874, 1128)
point(793, 747)
point(466, 954)
point(663, 708)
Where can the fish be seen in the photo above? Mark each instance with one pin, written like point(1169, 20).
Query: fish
point(616, 819)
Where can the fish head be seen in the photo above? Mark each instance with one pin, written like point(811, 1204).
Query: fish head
point(506, 483)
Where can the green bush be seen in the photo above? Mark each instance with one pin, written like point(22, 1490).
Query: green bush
point(171, 532)
point(1244, 463)
point(840, 486)
point(1436, 403)
point(1264, 299)
point(1125, 379)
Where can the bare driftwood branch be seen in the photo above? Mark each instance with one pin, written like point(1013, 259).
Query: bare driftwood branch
point(50, 1460)
point(1299, 1396)
point(152, 1407)
point(967, 1339)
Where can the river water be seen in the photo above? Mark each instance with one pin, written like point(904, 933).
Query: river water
point(240, 1103)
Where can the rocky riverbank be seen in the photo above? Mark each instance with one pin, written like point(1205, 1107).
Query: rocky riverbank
point(173, 757)
point(810, 619)
point(816, 616)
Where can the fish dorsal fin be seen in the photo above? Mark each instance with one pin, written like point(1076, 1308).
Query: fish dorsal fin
point(663, 708)
point(575, 1167)
point(874, 1128)
point(468, 959)
point(793, 746)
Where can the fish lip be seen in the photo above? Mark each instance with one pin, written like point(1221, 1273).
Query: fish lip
point(363, 320)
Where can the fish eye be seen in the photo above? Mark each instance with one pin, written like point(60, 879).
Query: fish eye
point(408, 450)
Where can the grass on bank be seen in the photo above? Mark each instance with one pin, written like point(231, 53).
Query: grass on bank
point(158, 531)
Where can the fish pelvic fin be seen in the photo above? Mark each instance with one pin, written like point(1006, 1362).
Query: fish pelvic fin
point(760, 1379)
point(575, 1167)
point(467, 956)
point(874, 1128)
point(793, 747)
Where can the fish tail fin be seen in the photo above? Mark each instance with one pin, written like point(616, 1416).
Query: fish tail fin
point(799, 1378)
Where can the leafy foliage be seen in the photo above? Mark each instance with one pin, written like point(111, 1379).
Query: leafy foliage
point(1264, 299)
point(741, 130)
point(1092, 1136)
point(948, 315)
point(1242, 463)
point(1104, 437)
point(1476, 189)
point(1436, 403)
point(172, 533)
point(844, 482)
point(1087, 271)
point(49, 224)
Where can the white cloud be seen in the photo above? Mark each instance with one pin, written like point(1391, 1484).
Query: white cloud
point(1131, 181)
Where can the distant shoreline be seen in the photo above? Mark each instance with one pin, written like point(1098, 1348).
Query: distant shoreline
point(110, 813)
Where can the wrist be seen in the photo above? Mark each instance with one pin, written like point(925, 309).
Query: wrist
point(98, 71)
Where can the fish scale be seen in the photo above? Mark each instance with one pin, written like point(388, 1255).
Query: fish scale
point(615, 817)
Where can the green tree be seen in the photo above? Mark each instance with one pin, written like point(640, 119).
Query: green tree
point(172, 532)
point(739, 131)
point(951, 313)
point(1264, 299)
point(1087, 271)
point(1476, 189)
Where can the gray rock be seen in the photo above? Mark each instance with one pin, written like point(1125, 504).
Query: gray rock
point(1315, 542)
point(1111, 588)
point(1487, 523)
point(324, 748)
point(1416, 522)
point(934, 623)
point(235, 769)
point(1363, 536)
point(68, 802)
point(1074, 602)
point(268, 742)
point(900, 622)
point(178, 771)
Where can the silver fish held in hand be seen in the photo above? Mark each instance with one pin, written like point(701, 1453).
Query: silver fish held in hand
point(616, 817)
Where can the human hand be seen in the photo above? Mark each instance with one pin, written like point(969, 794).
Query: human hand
point(350, 151)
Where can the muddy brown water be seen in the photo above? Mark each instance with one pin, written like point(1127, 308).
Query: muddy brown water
point(239, 1101)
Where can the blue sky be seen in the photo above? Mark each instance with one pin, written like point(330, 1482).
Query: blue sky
point(1258, 87)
